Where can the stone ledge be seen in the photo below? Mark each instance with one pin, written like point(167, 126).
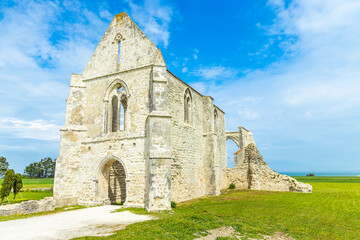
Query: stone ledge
point(31, 206)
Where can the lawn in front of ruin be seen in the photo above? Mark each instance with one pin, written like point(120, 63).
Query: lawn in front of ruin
point(332, 211)
point(33, 189)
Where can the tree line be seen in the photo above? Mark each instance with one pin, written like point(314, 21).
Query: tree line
point(45, 168)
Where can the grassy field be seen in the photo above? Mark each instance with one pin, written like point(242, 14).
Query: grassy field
point(332, 211)
point(30, 185)
point(37, 183)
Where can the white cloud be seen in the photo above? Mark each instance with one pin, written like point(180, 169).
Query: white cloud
point(37, 129)
point(247, 113)
point(106, 15)
point(39, 51)
point(154, 19)
point(195, 55)
point(215, 72)
point(310, 96)
point(184, 69)
point(4, 147)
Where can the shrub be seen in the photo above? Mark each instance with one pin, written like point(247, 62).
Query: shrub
point(232, 186)
point(173, 204)
point(310, 175)
point(17, 184)
point(7, 184)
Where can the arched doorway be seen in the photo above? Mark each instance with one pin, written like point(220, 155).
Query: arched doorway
point(112, 182)
point(232, 149)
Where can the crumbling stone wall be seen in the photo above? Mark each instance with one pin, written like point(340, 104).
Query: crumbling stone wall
point(254, 173)
point(31, 206)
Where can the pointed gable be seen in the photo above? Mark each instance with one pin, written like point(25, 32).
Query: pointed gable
point(136, 50)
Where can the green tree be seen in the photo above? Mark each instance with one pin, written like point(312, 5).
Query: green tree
point(31, 170)
point(17, 184)
point(45, 168)
point(4, 166)
point(7, 184)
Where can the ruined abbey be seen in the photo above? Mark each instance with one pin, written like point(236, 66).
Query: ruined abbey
point(136, 134)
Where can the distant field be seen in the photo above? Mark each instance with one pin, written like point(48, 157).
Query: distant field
point(331, 212)
point(329, 179)
point(31, 185)
point(37, 183)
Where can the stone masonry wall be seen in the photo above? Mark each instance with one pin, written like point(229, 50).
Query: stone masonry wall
point(254, 173)
point(31, 206)
point(192, 168)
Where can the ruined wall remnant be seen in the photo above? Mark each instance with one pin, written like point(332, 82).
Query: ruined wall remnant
point(254, 173)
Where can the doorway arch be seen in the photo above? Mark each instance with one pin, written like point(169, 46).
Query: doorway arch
point(112, 181)
point(232, 148)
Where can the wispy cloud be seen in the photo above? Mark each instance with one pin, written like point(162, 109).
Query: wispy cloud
point(195, 55)
point(37, 129)
point(154, 19)
point(214, 72)
point(40, 47)
point(311, 91)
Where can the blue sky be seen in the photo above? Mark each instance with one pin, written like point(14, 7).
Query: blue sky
point(286, 70)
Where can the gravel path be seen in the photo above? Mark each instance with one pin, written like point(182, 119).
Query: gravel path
point(95, 221)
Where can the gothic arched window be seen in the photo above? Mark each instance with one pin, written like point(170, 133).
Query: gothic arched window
point(118, 38)
point(187, 106)
point(216, 122)
point(116, 102)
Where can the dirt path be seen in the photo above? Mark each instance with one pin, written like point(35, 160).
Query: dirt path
point(96, 221)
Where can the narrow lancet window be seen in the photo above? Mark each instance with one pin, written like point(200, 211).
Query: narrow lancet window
point(115, 115)
point(122, 117)
point(119, 50)
point(216, 121)
point(187, 107)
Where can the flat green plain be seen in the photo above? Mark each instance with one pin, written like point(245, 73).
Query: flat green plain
point(332, 211)
point(37, 183)
point(30, 193)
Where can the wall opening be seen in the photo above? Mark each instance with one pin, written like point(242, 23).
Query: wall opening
point(117, 183)
point(122, 117)
point(119, 51)
point(112, 184)
point(116, 102)
point(187, 107)
point(115, 115)
point(231, 148)
point(216, 122)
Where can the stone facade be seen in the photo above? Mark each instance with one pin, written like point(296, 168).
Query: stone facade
point(135, 133)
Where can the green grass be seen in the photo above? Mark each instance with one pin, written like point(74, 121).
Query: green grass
point(37, 183)
point(332, 211)
point(28, 195)
point(32, 194)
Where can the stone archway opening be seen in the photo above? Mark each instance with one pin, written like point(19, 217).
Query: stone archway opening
point(231, 149)
point(112, 184)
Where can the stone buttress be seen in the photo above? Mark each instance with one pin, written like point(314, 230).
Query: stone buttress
point(158, 156)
